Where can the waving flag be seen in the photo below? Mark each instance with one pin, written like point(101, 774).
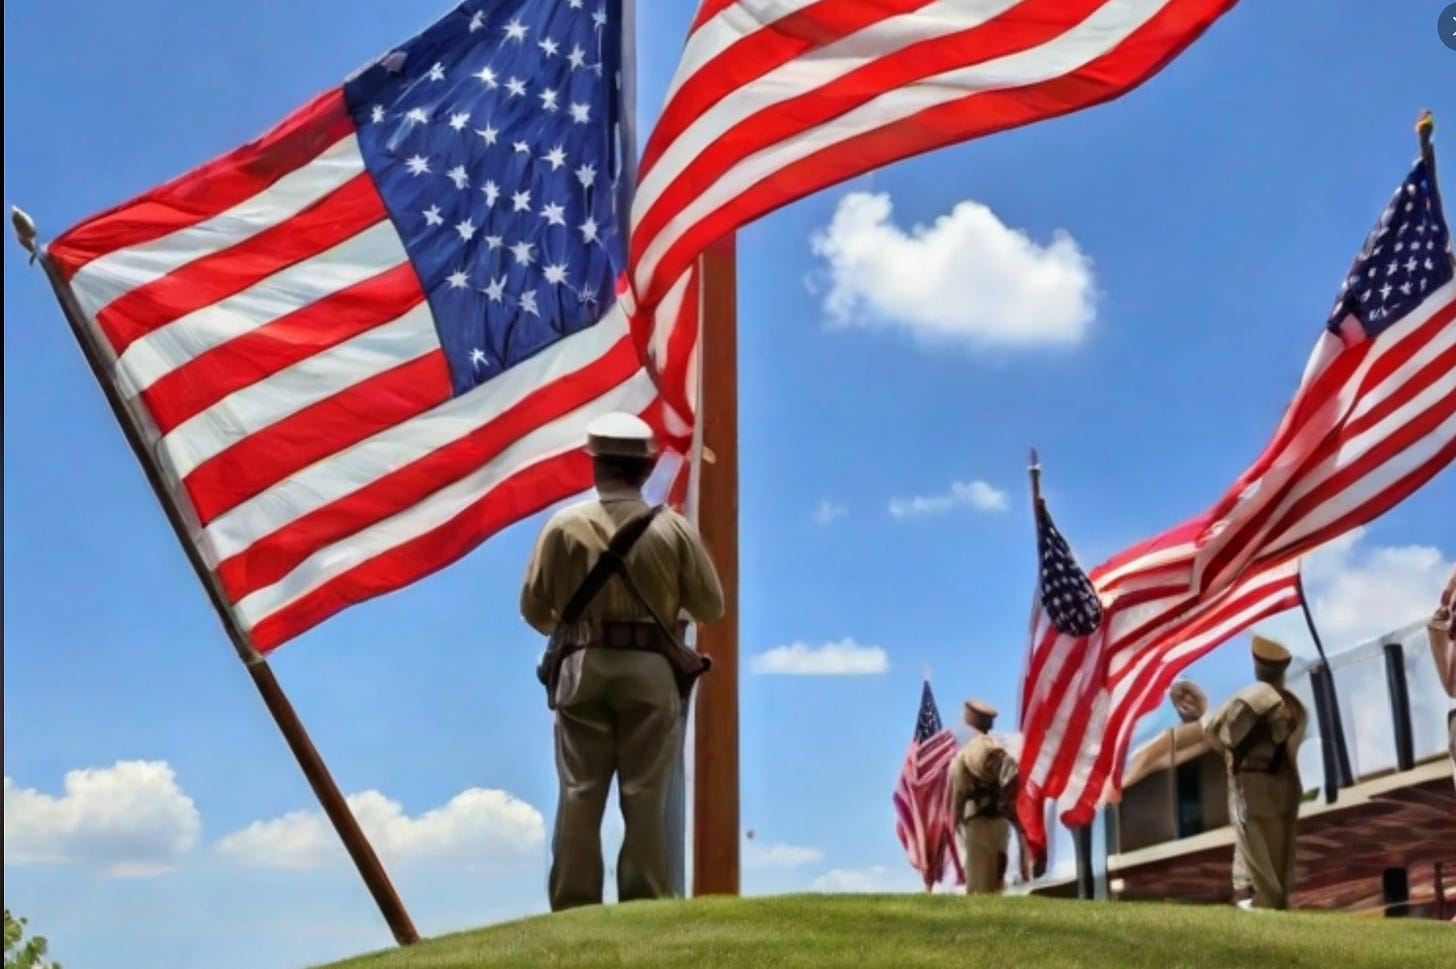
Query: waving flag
point(363, 343)
point(1373, 420)
point(1064, 591)
point(923, 821)
point(776, 99)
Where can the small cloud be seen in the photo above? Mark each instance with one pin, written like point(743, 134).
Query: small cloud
point(844, 658)
point(973, 494)
point(875, 879)
point(779, 855)
point(967, 278)
point(477, 828)
point(829, 511)
point(127, 820)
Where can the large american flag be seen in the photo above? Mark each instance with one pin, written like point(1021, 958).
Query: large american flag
point(366, 341)
point(1373, 420)
point(923, 821)
point(776, 99)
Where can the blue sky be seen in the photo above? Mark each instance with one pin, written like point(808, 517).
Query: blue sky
point(1207, 220)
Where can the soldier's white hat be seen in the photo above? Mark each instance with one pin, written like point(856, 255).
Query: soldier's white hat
point(620, 435)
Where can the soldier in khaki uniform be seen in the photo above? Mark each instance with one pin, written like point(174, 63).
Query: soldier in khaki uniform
point(983, 781)
point(1259, 731)
point(618, 706)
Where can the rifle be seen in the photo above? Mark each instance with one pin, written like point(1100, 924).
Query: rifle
point(686, 664)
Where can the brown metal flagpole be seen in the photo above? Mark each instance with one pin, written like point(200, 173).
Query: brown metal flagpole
point(715, 769)
point(314, 770)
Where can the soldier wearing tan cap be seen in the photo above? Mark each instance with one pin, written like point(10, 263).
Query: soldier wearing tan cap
point(1259, 731)
point(617, 699)
point(983, 782)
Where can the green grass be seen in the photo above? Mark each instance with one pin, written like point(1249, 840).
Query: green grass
point(931, 932)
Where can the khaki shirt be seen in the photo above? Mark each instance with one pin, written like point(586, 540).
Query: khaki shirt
point(668, 563)
point(1232, 723)
point(983, 762)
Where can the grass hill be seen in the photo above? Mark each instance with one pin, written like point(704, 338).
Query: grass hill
point(930, 932)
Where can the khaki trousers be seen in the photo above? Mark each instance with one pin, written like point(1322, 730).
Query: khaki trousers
point(617, 713)
point(1264, 811)
point(987, 840)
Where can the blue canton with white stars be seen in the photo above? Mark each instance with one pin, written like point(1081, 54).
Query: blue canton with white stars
point(1406, 257)
point(1067, 595)
point(493, 139)
point(927, 723)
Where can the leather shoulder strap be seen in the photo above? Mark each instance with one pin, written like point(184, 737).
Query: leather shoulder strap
point(611, 559)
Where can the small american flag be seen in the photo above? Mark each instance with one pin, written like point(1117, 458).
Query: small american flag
point(923, 821)
point(363, 343)
point(1065, 591)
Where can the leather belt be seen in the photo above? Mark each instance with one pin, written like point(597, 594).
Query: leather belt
point(616, 634)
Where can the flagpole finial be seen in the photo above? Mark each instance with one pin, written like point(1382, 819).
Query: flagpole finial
point(1426, 124)
point(925, 672)
point(1035, 470)
point(25, 231)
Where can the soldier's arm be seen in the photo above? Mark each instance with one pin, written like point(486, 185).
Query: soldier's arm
point(702, 591)
point(959, 790)
point(538, 598)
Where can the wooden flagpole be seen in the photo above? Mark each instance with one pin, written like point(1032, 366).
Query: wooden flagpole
point(314, 769)
point(716, 867)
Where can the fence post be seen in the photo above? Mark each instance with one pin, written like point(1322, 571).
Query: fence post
point(1405, 753)
point(1320, 678)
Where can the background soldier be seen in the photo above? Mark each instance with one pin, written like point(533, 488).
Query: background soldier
point(1259, 731)
point(617, 696)
point(983, 778)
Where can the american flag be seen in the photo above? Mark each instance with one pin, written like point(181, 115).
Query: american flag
point(1373, 420)
point(923, 821)
point(1064, 590)
point(363, 343)
point(773, 101)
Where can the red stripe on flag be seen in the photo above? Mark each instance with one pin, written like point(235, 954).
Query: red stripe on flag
point(274, 556)
point(267, 456)
point(335, 218)
point(210, 189)
point(753, 55)
point(243, 361)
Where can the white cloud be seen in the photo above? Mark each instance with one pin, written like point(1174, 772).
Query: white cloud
point(828, 511)
point(876, 879)
point(844, 658)
point(974, 494)
point(966, 278)
point(1358, 592)
point(127, 820)
point(477, 828)
point(757, 855)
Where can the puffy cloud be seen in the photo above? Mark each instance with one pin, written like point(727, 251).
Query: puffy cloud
point(477, 828)
point(844, 658)
point(829, 511)
point(127, 820)
point(966, 278)
point(974, 494)
point(779, 855)
point(1358, 592)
